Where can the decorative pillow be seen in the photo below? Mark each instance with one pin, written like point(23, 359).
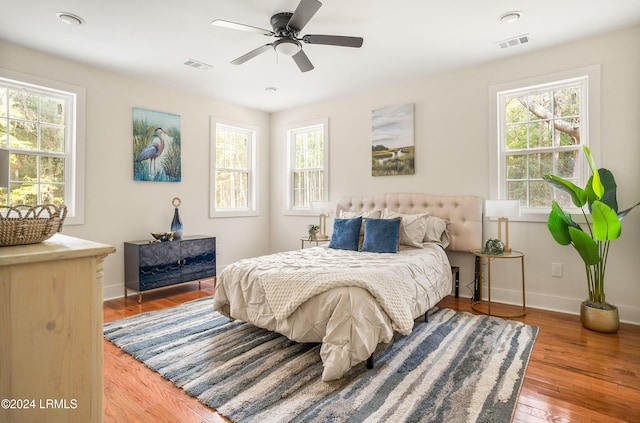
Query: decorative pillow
point(346, 233)
point(374, 214)
point(413, 228)
point(437, 231)
point(381, 235)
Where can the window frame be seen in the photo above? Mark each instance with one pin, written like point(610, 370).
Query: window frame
point(74, 154)
point(252, 207)
point(291, 130)
point(590, 136)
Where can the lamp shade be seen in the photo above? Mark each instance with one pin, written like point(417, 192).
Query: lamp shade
point(502, 208)
point(323, 207)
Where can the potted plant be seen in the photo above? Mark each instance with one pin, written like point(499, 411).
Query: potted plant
point(599, 195)
point(313, 232)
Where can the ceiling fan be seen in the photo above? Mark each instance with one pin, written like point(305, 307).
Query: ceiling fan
point(286, 28)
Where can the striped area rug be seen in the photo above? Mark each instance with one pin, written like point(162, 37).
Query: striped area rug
point(458, 367)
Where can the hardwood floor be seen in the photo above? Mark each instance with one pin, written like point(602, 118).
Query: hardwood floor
point(574, 375)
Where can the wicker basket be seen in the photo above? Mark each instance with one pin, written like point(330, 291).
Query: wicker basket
point(21, 224)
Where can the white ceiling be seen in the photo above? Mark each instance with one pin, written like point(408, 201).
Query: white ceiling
point(403, 39)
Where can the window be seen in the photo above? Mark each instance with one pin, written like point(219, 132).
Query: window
point(234, 170)
point(42, 127)
point(307, 166)
point(541, 129)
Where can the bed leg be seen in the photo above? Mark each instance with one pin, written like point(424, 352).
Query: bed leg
point(370, 362)
point(426, 316)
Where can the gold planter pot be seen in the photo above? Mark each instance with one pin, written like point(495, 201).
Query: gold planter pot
point(599, 320)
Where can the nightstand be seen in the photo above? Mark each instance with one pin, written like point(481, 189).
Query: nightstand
point(489, 257)
point(311, 241)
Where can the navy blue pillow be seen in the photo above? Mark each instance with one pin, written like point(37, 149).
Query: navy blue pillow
point(346, 234)
point(381, 235)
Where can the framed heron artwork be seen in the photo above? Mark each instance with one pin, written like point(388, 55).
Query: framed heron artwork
point(156, 146)
point(392, 145)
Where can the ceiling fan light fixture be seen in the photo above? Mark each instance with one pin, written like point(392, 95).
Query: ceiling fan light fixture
point(510, 17)
point(70, 18)
point(286, 46)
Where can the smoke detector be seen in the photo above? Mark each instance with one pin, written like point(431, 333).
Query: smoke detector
point(70, 18)
point(510, 17)
point(511, 42)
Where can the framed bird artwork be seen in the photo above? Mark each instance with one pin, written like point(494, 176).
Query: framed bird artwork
point(156, 146)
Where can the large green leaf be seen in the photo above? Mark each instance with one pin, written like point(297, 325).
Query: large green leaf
point(623, 213)
point(596, 185)
point(585, 245)
point(559, 223)
point(606, 225)
point(610, 189)
point(578, 195)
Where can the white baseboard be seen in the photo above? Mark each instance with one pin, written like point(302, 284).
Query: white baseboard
point(628, 314)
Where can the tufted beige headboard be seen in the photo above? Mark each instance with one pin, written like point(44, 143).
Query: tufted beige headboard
point(464, 213)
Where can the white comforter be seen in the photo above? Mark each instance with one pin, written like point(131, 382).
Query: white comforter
point(348, 300)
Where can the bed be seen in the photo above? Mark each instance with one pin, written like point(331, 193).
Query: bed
point(351, 300)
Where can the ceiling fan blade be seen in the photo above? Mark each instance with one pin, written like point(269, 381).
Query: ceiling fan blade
point(241, 27)
point(253, 53)
point(333, 40)
point(302, 61)
point(303, 13)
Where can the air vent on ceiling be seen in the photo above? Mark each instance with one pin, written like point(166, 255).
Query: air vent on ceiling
point(197, 64)
point(520, 39)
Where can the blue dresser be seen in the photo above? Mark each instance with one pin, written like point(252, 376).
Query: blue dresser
point(152, 265)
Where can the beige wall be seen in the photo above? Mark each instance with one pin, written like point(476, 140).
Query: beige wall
point(452, 154)
point(452, 145)
point(119, 209)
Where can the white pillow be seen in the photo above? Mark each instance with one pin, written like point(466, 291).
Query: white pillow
point(375, 214)
point(437, 232)
point(413, 228)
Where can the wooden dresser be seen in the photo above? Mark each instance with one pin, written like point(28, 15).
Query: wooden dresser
point(51, 342)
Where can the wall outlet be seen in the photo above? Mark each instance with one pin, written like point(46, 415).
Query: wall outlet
point(556, 270)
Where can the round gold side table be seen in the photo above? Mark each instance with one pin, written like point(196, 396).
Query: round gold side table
point(507, 255)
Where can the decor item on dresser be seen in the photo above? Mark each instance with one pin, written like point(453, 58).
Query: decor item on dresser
point(23, 224)
point(176, 223)
point(152, 265)
point(599, 195)
point(156, 146)
point(163, 236)
point(392, 144)
point(348, 299)
point(457, 368)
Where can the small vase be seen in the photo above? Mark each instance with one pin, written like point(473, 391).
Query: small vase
point(176, 225)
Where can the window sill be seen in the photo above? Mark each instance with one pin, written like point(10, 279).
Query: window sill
point(220, 214)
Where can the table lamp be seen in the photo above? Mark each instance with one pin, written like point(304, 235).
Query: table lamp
point(503, 209)
point(324, 209)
